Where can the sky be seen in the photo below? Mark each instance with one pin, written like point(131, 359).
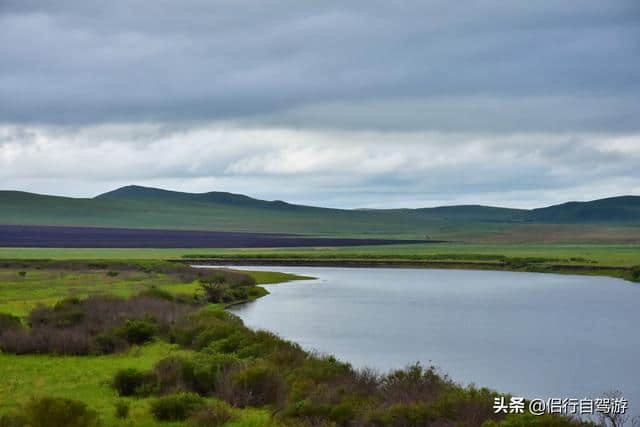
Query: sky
point(367, 103)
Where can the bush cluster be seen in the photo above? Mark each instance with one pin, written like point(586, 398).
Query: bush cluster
point(9, 322)
point(96, 325)
point(122, 409)
point(257, 368)
point(132, 382)
point(52, 412)
point(243, 367)
point(215, 414)
point(182, 273)
point(218, 288)
point(176, 407)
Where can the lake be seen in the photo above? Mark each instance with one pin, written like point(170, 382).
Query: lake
point(529, 334)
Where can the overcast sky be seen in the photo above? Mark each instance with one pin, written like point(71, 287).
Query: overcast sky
point(346, 104)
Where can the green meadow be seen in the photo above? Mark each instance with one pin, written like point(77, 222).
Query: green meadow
point(87, 378)
point(625, 255)
point(23, 289)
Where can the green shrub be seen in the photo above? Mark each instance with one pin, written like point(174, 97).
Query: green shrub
point(215, 414)
point(413, 384)
point(59, 412)
point(9, 322)
point(287, 354)
point(186, 330)
point(13, 420)
point(257, 384)
point(176, 407)
point(132, 382)
point(308, 408)
point(122, 409)
point(407, 414)
point(65, 313)
point(323, 369)
point(112, 273)
point(200, 373)
point(138, 331)
point(343, 413)
point(256, 291)
point(465, 405)
point(204, 371)
point(154, 292)
point(214, 333)
point(173, 374)
point(108, 342)
point(322, 401)
point(216, 292)
point(240, 294)
point(529, 420)
point(232, 343)
point(258, 345)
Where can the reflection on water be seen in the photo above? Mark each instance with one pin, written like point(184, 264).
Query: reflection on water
point(537, 335)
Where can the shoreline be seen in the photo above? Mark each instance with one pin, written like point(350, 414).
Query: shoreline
point(629, 274)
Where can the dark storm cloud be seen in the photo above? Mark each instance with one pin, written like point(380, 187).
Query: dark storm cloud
point(440, 65)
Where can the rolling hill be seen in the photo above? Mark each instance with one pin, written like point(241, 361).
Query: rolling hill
point(152, 208)
point(625, 209)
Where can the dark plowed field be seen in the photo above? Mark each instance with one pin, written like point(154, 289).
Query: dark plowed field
point(88, 237)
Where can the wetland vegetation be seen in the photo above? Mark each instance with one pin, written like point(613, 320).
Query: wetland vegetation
point(165, 355)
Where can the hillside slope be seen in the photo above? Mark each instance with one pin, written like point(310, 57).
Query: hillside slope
point(625, 209)
point(138, 193)
point(158, 209)
point(141, 207)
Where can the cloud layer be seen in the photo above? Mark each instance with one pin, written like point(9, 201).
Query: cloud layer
point(366, 103)
point(435, 65)
point(331, 168)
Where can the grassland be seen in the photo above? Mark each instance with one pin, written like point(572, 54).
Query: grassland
point(612, 260)
point(88, 377)
point(615, 220)
point(614, 254)
point(19, 294)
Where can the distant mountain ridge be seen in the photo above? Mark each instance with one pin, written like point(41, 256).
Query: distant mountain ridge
point(152, 208)
point(136, 192)
point(612, 209)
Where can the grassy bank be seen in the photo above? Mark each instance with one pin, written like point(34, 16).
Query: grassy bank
point(27, 285)
point(621, 261)
point(464, 262)
point(617, 255)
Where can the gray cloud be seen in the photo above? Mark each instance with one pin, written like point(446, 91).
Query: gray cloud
point(360, 104)
point(331, 168)
point(489, 65)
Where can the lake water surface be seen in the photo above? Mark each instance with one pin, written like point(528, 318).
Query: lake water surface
point(532, 335)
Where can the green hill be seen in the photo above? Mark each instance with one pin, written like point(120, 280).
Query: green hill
point(138, 193)
point(141, 207)
point(625, 209)
point(475, 213)
point(138, 207)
